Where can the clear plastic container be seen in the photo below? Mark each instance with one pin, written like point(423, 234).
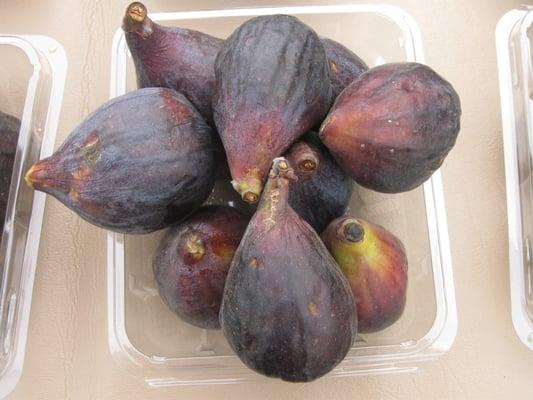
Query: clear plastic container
point(514, 36)
point(32, 78)
point(153, 344)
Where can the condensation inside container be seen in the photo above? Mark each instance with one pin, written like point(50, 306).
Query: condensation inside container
point(155, 331)
point(15, 73)
point(524, 137)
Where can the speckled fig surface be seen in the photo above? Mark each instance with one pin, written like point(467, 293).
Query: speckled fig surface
point(374, 262)
point(192, 262)
point(344, 65)
point(392, 127)
point(272, 86)
point(9, 134)
point(287, 311)
point(139, 163)
point(322, 191)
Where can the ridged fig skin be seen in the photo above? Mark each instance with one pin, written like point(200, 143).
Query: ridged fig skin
point(171, 57)
point(375, 264)
point(9, 134)
point(192, 262)
point(322, 191)
point(287, 310)
point(272, 86)
point(139, 163)
point(344, 65)
point(392, 127)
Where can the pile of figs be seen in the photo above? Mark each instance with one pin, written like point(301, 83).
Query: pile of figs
point(294, 119)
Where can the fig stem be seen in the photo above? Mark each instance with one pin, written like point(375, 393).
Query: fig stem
point(195, 246)
point(353, 232)
point(27, 177)
point(250, 197)
point(137, 11)
point(308, 165)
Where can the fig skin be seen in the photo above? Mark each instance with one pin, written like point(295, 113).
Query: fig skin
point(344, 65)
point(375, 264)
point(139, 163)
point(287, 310)
point(192, 262)
point(176, 58)
point(272, 86)
point(9, 134)
point(392, 127)
point(322, 191)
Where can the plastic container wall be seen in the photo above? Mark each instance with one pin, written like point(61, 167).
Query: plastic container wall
point(32, 79)
point(149, 341)
point(514, 36)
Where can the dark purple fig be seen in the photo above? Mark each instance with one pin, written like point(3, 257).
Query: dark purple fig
point(322, 191)
point(272, 86)
point(176, 58)
point(287, 310)
point(9, 134)
point(374, 261)
point(344, 65)
point(193, 260)
point(139, 163)
point(392, 127)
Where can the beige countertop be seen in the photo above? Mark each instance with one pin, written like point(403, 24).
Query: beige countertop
point(67, 351)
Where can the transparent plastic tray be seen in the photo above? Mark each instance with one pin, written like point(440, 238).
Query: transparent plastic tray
point(153, 344)
point(32, 78)
point(514, 35)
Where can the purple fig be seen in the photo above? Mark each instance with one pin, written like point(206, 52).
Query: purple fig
point(272, 86)
point(193, 260)
point(176, 58)
point(392, 127)
point(374, 262)
point(139, 163)
point(287, 310)
point(344, 65)
point(322, 191)
point(179, 59)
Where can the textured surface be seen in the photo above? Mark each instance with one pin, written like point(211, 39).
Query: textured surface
point(67, 353)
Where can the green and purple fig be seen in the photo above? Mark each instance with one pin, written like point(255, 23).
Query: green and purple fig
point(192, 262)
point(392, 127)
point(9, 134)
point(374, 262)
point(139, 163)
point(176, 58)
point(344, 65)
point(322, 191)
point(287, 310)
point(272, 86)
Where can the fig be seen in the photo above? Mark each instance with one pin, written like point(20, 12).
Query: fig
point(322, 191)
point(344, 65)
point(139, 163)
point(192, 262)
point(171, 57)
point(392, 127)
point(374, 261)
point(272, 86)
point(9, 134)
point(287, 310)
point(179, 59)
